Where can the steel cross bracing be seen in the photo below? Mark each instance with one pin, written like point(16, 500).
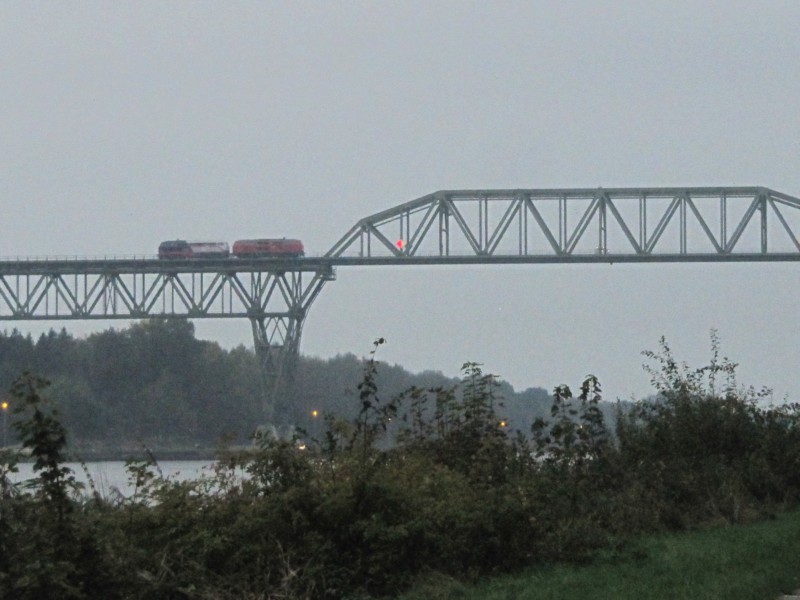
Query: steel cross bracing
point(579, 225)
point(133, 289)
point(274, 294)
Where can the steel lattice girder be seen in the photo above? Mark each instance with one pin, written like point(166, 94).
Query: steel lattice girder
point(114, 293)
point(579, 225)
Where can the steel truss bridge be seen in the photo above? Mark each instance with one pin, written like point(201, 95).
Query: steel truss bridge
point(536, 226)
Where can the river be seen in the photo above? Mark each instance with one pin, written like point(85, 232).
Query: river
point(111, 475)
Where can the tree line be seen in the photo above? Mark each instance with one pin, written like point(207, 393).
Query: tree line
point(155, 383)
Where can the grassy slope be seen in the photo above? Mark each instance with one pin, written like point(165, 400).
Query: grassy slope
point(752, 562)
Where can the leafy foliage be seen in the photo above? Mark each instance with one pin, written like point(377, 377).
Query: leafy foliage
point(458, 491)
point(49, 550)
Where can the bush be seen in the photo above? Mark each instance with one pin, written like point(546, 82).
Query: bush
point(431, 483)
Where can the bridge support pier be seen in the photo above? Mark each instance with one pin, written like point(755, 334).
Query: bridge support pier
point(277, 346)
point(276, 337)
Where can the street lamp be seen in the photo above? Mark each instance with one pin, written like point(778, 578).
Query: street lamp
point(4, 406)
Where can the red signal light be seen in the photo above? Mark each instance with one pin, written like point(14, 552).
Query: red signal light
point(401, 244)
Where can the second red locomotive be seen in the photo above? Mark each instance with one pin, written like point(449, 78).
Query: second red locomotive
point(268, 247)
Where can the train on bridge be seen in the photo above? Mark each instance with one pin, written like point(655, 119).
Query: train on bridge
point(258, 248)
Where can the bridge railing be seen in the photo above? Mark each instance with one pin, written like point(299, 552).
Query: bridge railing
point(75, 257)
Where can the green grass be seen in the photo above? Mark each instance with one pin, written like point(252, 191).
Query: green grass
point(747, 562)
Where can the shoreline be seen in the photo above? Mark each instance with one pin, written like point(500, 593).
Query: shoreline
point(111, 454)
point(139, 453)
point(78, 455)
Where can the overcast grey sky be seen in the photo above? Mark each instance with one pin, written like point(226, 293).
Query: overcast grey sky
point(126, 123)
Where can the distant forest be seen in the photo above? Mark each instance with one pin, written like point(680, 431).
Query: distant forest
point(155, 383)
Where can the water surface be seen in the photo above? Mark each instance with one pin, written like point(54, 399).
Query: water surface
point(111, 475)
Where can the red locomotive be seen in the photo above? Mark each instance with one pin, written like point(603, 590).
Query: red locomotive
point(278, 248)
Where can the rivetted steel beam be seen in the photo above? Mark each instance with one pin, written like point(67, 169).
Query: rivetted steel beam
point(131, 266)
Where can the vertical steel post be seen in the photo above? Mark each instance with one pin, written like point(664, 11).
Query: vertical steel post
point(762, 207)
point(643, 222)
point(683, 223)
point(723, 222)
point(602, 242)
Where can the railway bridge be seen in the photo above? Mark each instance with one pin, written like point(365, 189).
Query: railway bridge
point(482, 227)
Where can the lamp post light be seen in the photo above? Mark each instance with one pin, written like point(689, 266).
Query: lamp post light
point(4, 406)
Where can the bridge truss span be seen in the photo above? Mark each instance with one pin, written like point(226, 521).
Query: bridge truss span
point(91, 290)
point(580, 225)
